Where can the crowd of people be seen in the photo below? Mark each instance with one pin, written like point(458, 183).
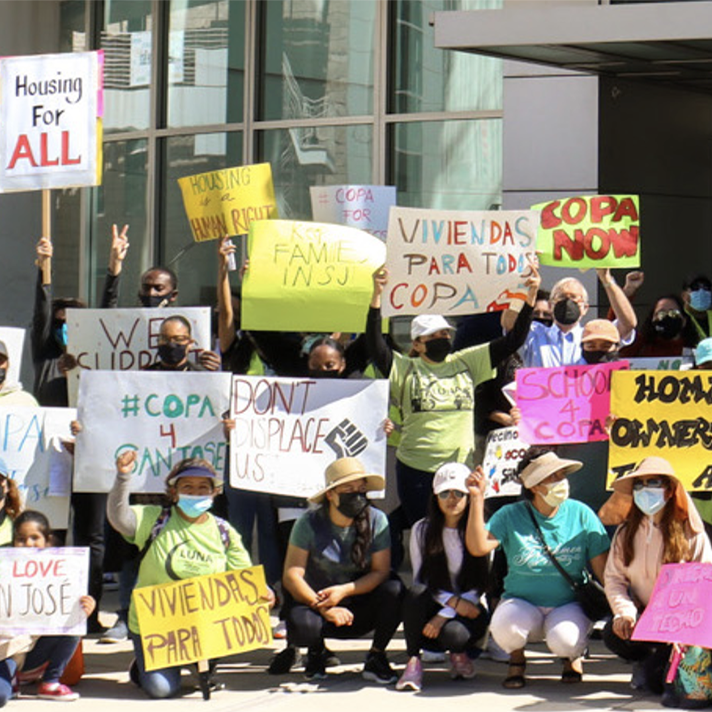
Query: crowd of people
point(504, 569)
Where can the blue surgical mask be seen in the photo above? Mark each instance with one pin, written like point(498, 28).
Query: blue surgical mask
point(60, 335)
point(193, 505)
point(701, 300)
point(649, 500)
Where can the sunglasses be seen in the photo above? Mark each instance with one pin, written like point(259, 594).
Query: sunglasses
point(457, 494)
point(672, 313)
point(650, 482)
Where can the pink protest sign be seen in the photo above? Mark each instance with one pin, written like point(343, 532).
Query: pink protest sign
point(678, 610)
point(568, 404)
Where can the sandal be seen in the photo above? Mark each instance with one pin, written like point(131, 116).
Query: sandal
point(515, 679)
point(569, 674)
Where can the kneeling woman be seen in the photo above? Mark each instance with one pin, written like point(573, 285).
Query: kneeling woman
point(442, 610)
point(538, 603)
point(337, 572)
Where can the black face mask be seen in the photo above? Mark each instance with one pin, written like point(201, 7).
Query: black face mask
point(150, 300)
point(317, 373)
point(172, 354)
point(546, 320)
point(600, 356)
point(437, 349)
point(668, 327)
point(3, 375)
point(351, 504)
point(567, 311)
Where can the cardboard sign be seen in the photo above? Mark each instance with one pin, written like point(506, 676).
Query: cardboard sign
point(503, 451)
point(667, 414)
point(457, 262)
point(678, 610)
point(50, 112)
point(40, 591)
point(226, 202)
point(590, 231)
point(365, 207)
point(566, 404)
point(660, 363)
point(309, 277)
point(165, 417)
point(14, 339)
point(125, 339)
point(203, 617)
point(307, 423)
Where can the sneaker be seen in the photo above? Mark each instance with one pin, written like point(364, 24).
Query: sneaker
point(284, 661)
point(56, 691)
point(279, 632)
point(432, 656)
point(461, 666)
point(377, 669)
point(494, 652)
point(638, 680)
point(116, 634)
point(314, 668)
point(412, 677)
point(331, 659)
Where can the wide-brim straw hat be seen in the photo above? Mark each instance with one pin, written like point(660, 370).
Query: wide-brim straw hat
point(345, 470)
point(546, 465)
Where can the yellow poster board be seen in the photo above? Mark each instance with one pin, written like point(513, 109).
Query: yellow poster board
point(306, 276)
point(226, 202)
point(204, 617)
point(667, 414)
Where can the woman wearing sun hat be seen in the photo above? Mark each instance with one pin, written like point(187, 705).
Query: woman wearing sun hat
point(337, 572)
point(538, 602)
point(658, 525)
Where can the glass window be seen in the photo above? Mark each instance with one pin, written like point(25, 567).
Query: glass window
point(449, 165)
point(126, 39)
point(72, 37)
point(425, 78)
point(323, 155)
point(206, 63)
point(195, 263)
point(316, 58)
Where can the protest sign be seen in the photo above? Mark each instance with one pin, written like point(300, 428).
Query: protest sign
point(50, 110)
point(163, 416)
point(14, 339)
point(457, 262)
point(40, 591)
point(590, 231)
point(667, 414)
point(566, 404)
point(307, 423)
point(125, 339)
point(309, 277)
point(362, 206)
point(678, 610)
point(226, 202)
point(503, 452)
point(660, 363)
point(203, 618)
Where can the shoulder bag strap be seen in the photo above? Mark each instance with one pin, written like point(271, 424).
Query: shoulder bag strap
point(549, 552)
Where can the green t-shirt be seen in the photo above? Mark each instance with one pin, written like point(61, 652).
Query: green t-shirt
point(5, 530)
point(182, 550)
point(437, 401)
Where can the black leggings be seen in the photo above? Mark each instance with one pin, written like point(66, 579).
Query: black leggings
point(457, 635)
point(378, 611)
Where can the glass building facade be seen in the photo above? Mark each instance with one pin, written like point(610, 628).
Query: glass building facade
point(327, 91)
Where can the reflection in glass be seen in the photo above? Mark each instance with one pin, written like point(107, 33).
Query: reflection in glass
point(317, 58)
point(426, 78)
point(206, 66)
point(448, 165)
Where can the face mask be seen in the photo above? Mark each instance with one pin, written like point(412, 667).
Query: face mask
point(557, 493)
point(193, 505)
point(701, 300)
point(649, 500)
point(172, 354)
point(60, 334)
point(437, 349)
point(545, 320)
point(567, 311)
point(668, 327)
point(152, 300)
point(317, 373)
point(351, 504)
point(600, 356)
point(3, 375)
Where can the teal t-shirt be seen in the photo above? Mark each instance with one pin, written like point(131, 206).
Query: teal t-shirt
point(575, 535)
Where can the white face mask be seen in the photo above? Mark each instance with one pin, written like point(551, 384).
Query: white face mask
point(649, 500)
point(556, 493)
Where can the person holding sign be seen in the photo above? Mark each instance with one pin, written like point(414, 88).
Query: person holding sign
point(658, 525)
point(538, 602)
point(337, 572)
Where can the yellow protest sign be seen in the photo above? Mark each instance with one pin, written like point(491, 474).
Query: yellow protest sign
point(307, 276)
point(203, 617)
point(667, 414)
point(226, 202)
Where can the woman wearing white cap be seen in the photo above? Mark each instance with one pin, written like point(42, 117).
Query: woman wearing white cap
point(442, 610)
point(538, 602)
point(658, 525)
point(337, 572)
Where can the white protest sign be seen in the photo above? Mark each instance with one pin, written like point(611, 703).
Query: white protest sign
point(14, 340)
point(164, 416)
point(503, 452)
point(125, 339)
point(30, 446)
point(288, 430)
point(660, 363)
point(50, 112)
point(363, 206)
point(457, 262)
point(40, 591)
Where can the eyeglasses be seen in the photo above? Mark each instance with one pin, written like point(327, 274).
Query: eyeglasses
point(672, 313)
point(457, 494)
point(650, 482)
